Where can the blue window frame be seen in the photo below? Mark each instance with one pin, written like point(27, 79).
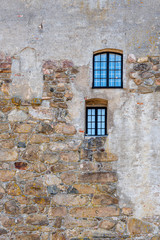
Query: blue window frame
point(107, 70)
point(96, 121)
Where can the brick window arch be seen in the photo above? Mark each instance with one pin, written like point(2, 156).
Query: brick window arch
point(108, 68)
point(96, 117)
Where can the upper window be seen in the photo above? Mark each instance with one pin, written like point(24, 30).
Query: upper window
point(107, 69)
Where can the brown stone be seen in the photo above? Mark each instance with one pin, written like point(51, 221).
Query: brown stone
point(7, 144)
point(29, 209)
point(41, 200)
point(57, 212)
point(69, 200)
point(7, 175)
point(46, 128)
point(62, 105)
point(37, 138)
point(156, 238)
point(11, 207)
point(137, 81)
point(104, 199)
point(137, 226)
point(98, 177)
point(31, 153)
point(68, 178)
point(104, 157)
point(3, 231)
point(4, 127)
point(25, 236)
point(146, 75)
point(22, 128)
point(7, 221)
point(24, 200)
point(8, 155)
point(84, 189)
point(38, 167)
point(127, 211)
point(106, 224)
point(95, 212)
point(68, 95)
point(157, 81)
point(144, 90)
point(58, 222)
point(69, 157)
point(35, 189)
point(13, 189)
point(65, 129)
point(21, 165)
point(157, 74)
point(70, 222)
point(36, 219)
point(60, 167)
point(2, 192)
point(58, 236)
point(50, 158)
point(111, 188)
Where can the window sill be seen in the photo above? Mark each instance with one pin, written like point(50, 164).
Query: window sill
point(93, 136)
point(108, 87)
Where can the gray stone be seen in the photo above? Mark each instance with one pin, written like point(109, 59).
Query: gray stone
point(147, 75)
point(141, 67)
point(149, 82)
point(53, 190)
point(17, 116)
point(21, 145)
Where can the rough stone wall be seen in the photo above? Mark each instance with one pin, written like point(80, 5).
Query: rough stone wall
point(55, 182)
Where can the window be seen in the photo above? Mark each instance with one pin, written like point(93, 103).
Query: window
point(107, 69)
point(96, 119)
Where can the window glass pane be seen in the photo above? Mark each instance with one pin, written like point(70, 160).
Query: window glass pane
point(118, 82)
point(99, 111)
point(103, 131)
point(103, 111)
point(89, 118)
point(118, 65)
point(97, 82)
point(103, 65)
point(111, 82)
point(103, 124)
point(89, 125)
point(97, 57)
point(93, 131)
point(103, 83)
point(103, 74)
point(99, 132)
point(89, 111)
point(111, 74)
point(104, 57)
point(112, 65)
point(99, 118)
point(93, 118)
point(97, 74)
point(97, 65)
point(112, 57)
point(99, 125)
point(89, 131)
point(118, 57)
point(93, 111)
point(93, 124)
point(117, 74)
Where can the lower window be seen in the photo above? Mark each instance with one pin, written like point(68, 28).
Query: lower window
point(96, 121)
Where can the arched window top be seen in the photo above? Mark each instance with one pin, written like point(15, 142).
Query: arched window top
point(107, 68)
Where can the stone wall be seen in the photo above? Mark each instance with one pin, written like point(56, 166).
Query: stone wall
point(56, 184)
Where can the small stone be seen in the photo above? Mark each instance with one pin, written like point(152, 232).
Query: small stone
point(3, 231)
point(16, 101)
point(11, 207)
point(69, 157)
point(58, 236)
point(95, 212)
point(68, 178)
point(52, 180)
point(38, 167)
point(157, 89)
point(52, 189)
point(120, 227)
point(57, 212)
point(69, 200)
point(29, 209)
point(154, 60)
point(104, 199)
point(8, 222)
point(4, 127)
point(21, 165)
point(50, 158)
point(41, 200)
point(72, 190)
point(141, 67)
point(127, 211)
point(13, 189)
point(156, 238)
point(157, 81)
point(65, 129)
point(147, 75)
point(157, 74)
point(37, 139)
point(8, 155)
point(106, 224)
point(155, 68)
point(149, 82)
point(17, 116)
point(142, 59)
point(35, 189)
point(36, 101)
point(31, 153)
point(7, 175)
point(37, 219)
point(84, 189)
point(134, 75)
point(144, 90)
point(7, 144)
point(22, 128)
point(98, 177)
point(2, 192)
point(46, 128)
point(21, 145)
point(137, 81)
point(28, 237)
point(131, 58)
point(137, 226)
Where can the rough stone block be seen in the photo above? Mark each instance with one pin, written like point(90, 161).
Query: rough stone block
point(65, 129)
point(17, 116)
point(69, 200)
point(7, 175)
point(137, 226)
point(57, 212)
point(13, 189)
point(98, 177)
point(37, 139)
point(104, 199)
point(35, 189)
point(37, 219)
point(22, 128)
point(107, 224)
point(69, 157)
point(8, 155)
